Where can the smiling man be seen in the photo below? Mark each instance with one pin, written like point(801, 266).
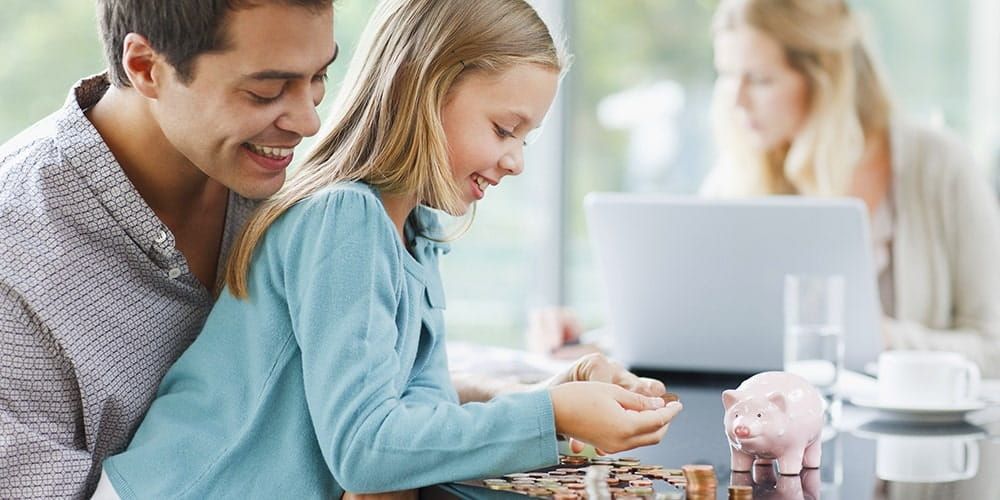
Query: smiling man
point(117, 212)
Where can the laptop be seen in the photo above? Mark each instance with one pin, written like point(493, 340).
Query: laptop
point(698, 285)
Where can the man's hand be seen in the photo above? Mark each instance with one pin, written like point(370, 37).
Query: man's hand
point(596, 367)
point(551, 328)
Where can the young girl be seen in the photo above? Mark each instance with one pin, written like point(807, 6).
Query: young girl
point(322, 367)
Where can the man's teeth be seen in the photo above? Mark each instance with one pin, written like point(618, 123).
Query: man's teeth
point(273, 153)
point(482, 183)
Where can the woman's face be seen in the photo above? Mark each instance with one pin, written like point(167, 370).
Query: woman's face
point(486, 119)
point(767, 97)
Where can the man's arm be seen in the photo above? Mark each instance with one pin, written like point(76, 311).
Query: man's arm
point(42, 449)
point(593, 367)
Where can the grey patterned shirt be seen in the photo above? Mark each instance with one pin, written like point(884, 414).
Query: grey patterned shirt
point(96, 302)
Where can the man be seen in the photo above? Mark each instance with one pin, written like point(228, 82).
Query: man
point(117, 211)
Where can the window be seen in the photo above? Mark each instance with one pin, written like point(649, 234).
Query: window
point(643, 80)
point(47, 45)
point(631, 115)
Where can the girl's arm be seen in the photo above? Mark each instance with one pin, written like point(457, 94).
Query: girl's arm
point(344, 279)
point(344, 284)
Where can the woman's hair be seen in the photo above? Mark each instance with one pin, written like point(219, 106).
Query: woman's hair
point(385, 127)
point(848, 101)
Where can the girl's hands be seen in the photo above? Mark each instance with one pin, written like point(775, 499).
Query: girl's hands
point(610, 417)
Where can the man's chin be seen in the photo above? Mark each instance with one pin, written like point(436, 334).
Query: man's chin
point(261, 189)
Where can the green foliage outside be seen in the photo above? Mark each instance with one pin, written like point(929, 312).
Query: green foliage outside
point(47, 45)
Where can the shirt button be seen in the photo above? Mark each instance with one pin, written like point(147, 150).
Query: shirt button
point(174, 273)
point(161, 236)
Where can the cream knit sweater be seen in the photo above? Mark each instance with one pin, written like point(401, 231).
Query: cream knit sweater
point(946, 249)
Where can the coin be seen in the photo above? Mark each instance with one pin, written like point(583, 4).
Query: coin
point(670, 397)
point(574, 460)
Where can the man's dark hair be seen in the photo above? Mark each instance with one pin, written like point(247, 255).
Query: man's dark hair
point(181, 30)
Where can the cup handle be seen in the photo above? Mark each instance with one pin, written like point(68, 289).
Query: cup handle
point(971, 458)
point(973, 379)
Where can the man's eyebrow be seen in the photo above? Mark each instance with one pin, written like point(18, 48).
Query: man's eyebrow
point(274, 74)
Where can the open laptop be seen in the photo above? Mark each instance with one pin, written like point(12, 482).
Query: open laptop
point(697, 285)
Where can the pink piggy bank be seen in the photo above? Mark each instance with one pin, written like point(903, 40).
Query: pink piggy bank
point(774, 416)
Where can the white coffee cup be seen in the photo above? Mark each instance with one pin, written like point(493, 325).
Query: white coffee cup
point(926, 459)
point(926, 379)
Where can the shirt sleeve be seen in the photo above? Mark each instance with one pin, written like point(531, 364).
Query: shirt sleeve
point(433, 383)
point(344, 287)
point(972, 228)
point(40, 453)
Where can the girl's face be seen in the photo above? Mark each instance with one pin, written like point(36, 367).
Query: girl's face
point(486, 119)
point(768, 97)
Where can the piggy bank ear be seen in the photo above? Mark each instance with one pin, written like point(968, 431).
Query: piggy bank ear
point(729, 398)
point(778, 399)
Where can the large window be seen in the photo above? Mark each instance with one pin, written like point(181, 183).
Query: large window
point(47, 45)
point(643, 81)
point(631, 116)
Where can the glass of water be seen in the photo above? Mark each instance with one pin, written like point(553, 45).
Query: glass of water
point(814, 333)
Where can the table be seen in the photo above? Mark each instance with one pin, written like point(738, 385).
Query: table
point(916, 462)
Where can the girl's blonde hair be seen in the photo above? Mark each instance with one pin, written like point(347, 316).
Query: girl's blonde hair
point(848, 101)
point(385, 128)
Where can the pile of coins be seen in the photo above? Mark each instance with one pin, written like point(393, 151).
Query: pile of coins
point(701, 481)
point(601, 478)
point(741, 493)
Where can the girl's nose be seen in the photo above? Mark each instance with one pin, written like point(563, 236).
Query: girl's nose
point(511, 164)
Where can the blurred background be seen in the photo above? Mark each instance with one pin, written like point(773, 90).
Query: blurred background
point(632, 115)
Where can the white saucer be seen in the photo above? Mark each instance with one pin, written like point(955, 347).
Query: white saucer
point(929, 413)
point(919, 430)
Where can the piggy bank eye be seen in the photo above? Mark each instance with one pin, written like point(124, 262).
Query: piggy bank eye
point(759, 415)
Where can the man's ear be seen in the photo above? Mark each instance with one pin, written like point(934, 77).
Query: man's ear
point(142, 65)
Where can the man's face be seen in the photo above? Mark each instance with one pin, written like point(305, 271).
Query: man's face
point(247, 107)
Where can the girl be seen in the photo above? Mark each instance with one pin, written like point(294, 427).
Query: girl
point(801, 109)
point(322, 367)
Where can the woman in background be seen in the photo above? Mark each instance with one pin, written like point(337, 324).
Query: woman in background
point(800, 108)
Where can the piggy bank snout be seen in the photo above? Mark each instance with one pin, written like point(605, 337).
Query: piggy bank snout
point(741, 431)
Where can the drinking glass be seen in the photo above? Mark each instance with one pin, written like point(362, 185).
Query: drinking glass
point(814, 333)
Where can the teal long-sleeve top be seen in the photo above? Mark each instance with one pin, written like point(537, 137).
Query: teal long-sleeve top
point(331, 376)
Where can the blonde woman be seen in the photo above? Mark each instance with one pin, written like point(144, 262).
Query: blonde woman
point(800, 108)
point(322, 366)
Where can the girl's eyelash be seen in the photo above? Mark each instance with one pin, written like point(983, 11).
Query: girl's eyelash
point(502, 132)
point(507, 134)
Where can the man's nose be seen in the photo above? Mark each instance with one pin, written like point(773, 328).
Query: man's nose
point(301, 116)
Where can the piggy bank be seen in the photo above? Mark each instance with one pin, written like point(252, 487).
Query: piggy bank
point(774, 416)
